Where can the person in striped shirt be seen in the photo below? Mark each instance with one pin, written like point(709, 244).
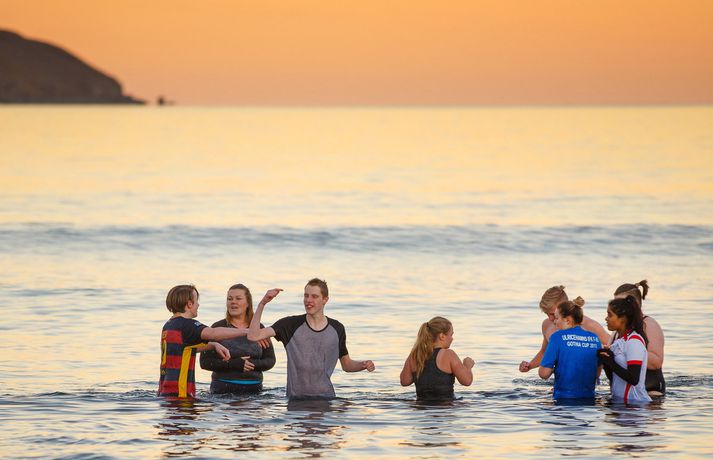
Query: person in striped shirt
point(182, 337)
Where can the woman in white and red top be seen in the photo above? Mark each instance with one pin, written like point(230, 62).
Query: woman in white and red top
point(625, 360)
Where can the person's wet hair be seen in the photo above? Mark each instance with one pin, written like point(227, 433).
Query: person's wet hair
point(179, 296)
point(630, 308)
point(572, 309)
point(553, 296)
point(633, 289)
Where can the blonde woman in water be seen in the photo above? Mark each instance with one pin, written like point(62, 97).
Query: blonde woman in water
point(432, 365)
point(550, 299)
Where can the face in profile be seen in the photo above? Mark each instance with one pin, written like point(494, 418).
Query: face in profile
point(448, 338)
point(614, 322)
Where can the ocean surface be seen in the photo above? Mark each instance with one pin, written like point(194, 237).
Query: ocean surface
point(468, 213)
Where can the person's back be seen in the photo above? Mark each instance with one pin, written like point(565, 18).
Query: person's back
point(573, 355)
point(433, 383)
point(180, 339)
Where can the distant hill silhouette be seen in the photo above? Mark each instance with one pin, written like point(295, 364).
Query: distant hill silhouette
point(33, 71)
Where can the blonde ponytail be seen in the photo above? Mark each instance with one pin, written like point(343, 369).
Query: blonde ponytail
point(427, 335)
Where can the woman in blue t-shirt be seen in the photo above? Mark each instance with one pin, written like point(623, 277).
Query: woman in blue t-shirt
point(571, 354)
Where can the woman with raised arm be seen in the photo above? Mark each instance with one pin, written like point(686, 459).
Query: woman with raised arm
point(243, 372)
point(432, 365)
point(655, 383)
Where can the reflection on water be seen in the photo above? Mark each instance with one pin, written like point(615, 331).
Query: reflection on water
point(433, 426)
point(465, 213)
point(181, 426)
point(311, 432)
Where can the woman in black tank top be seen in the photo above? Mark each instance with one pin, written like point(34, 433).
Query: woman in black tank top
point(432, 365)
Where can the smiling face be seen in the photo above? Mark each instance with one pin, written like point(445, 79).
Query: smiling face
point(314, 301)
point(236, 303)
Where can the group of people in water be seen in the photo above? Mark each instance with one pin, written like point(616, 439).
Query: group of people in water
point(238, 349)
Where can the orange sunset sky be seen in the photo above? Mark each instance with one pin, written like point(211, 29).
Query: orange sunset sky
point(383, 52)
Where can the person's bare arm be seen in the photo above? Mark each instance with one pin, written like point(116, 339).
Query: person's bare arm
point(656, 342)
point(592, 326)
point(255, 333)
point(407, 373)
point(462, 370)
point(526, 366)
point(545, 372)
point(350, 365)
point(215, 334)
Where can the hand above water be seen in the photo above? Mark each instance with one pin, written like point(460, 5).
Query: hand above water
point(269, 295)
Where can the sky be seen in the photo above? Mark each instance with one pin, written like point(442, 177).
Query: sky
point(387, 52)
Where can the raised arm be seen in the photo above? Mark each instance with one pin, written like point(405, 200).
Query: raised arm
point(255, 333)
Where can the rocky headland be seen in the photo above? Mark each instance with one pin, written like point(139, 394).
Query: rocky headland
point(36, 72)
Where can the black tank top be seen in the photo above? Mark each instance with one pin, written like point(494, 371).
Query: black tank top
point(433, 383)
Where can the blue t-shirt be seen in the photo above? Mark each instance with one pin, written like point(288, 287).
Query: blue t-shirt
point(572, 353)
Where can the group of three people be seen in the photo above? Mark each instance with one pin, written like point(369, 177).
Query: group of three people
point(239, 349)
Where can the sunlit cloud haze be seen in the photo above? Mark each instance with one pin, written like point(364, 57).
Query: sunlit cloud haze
point(382, 52)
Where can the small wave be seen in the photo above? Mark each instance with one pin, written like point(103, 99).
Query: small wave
point(474, 240)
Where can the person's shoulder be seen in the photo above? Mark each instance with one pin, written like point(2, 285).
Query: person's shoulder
point(587, 332)
point(334, 323)
point(180, 321)
point(590, 323)
point(448, 353)
point(293, 319)
point(558, 333)
point(222, 323)
point(649, 320)
point(633, 335)
point(548, 326)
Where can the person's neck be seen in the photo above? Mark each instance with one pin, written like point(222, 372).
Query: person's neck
point(317, 321)
point(185, 314)
point(239, 322)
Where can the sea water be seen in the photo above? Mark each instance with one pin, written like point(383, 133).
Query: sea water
point(467, 213)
